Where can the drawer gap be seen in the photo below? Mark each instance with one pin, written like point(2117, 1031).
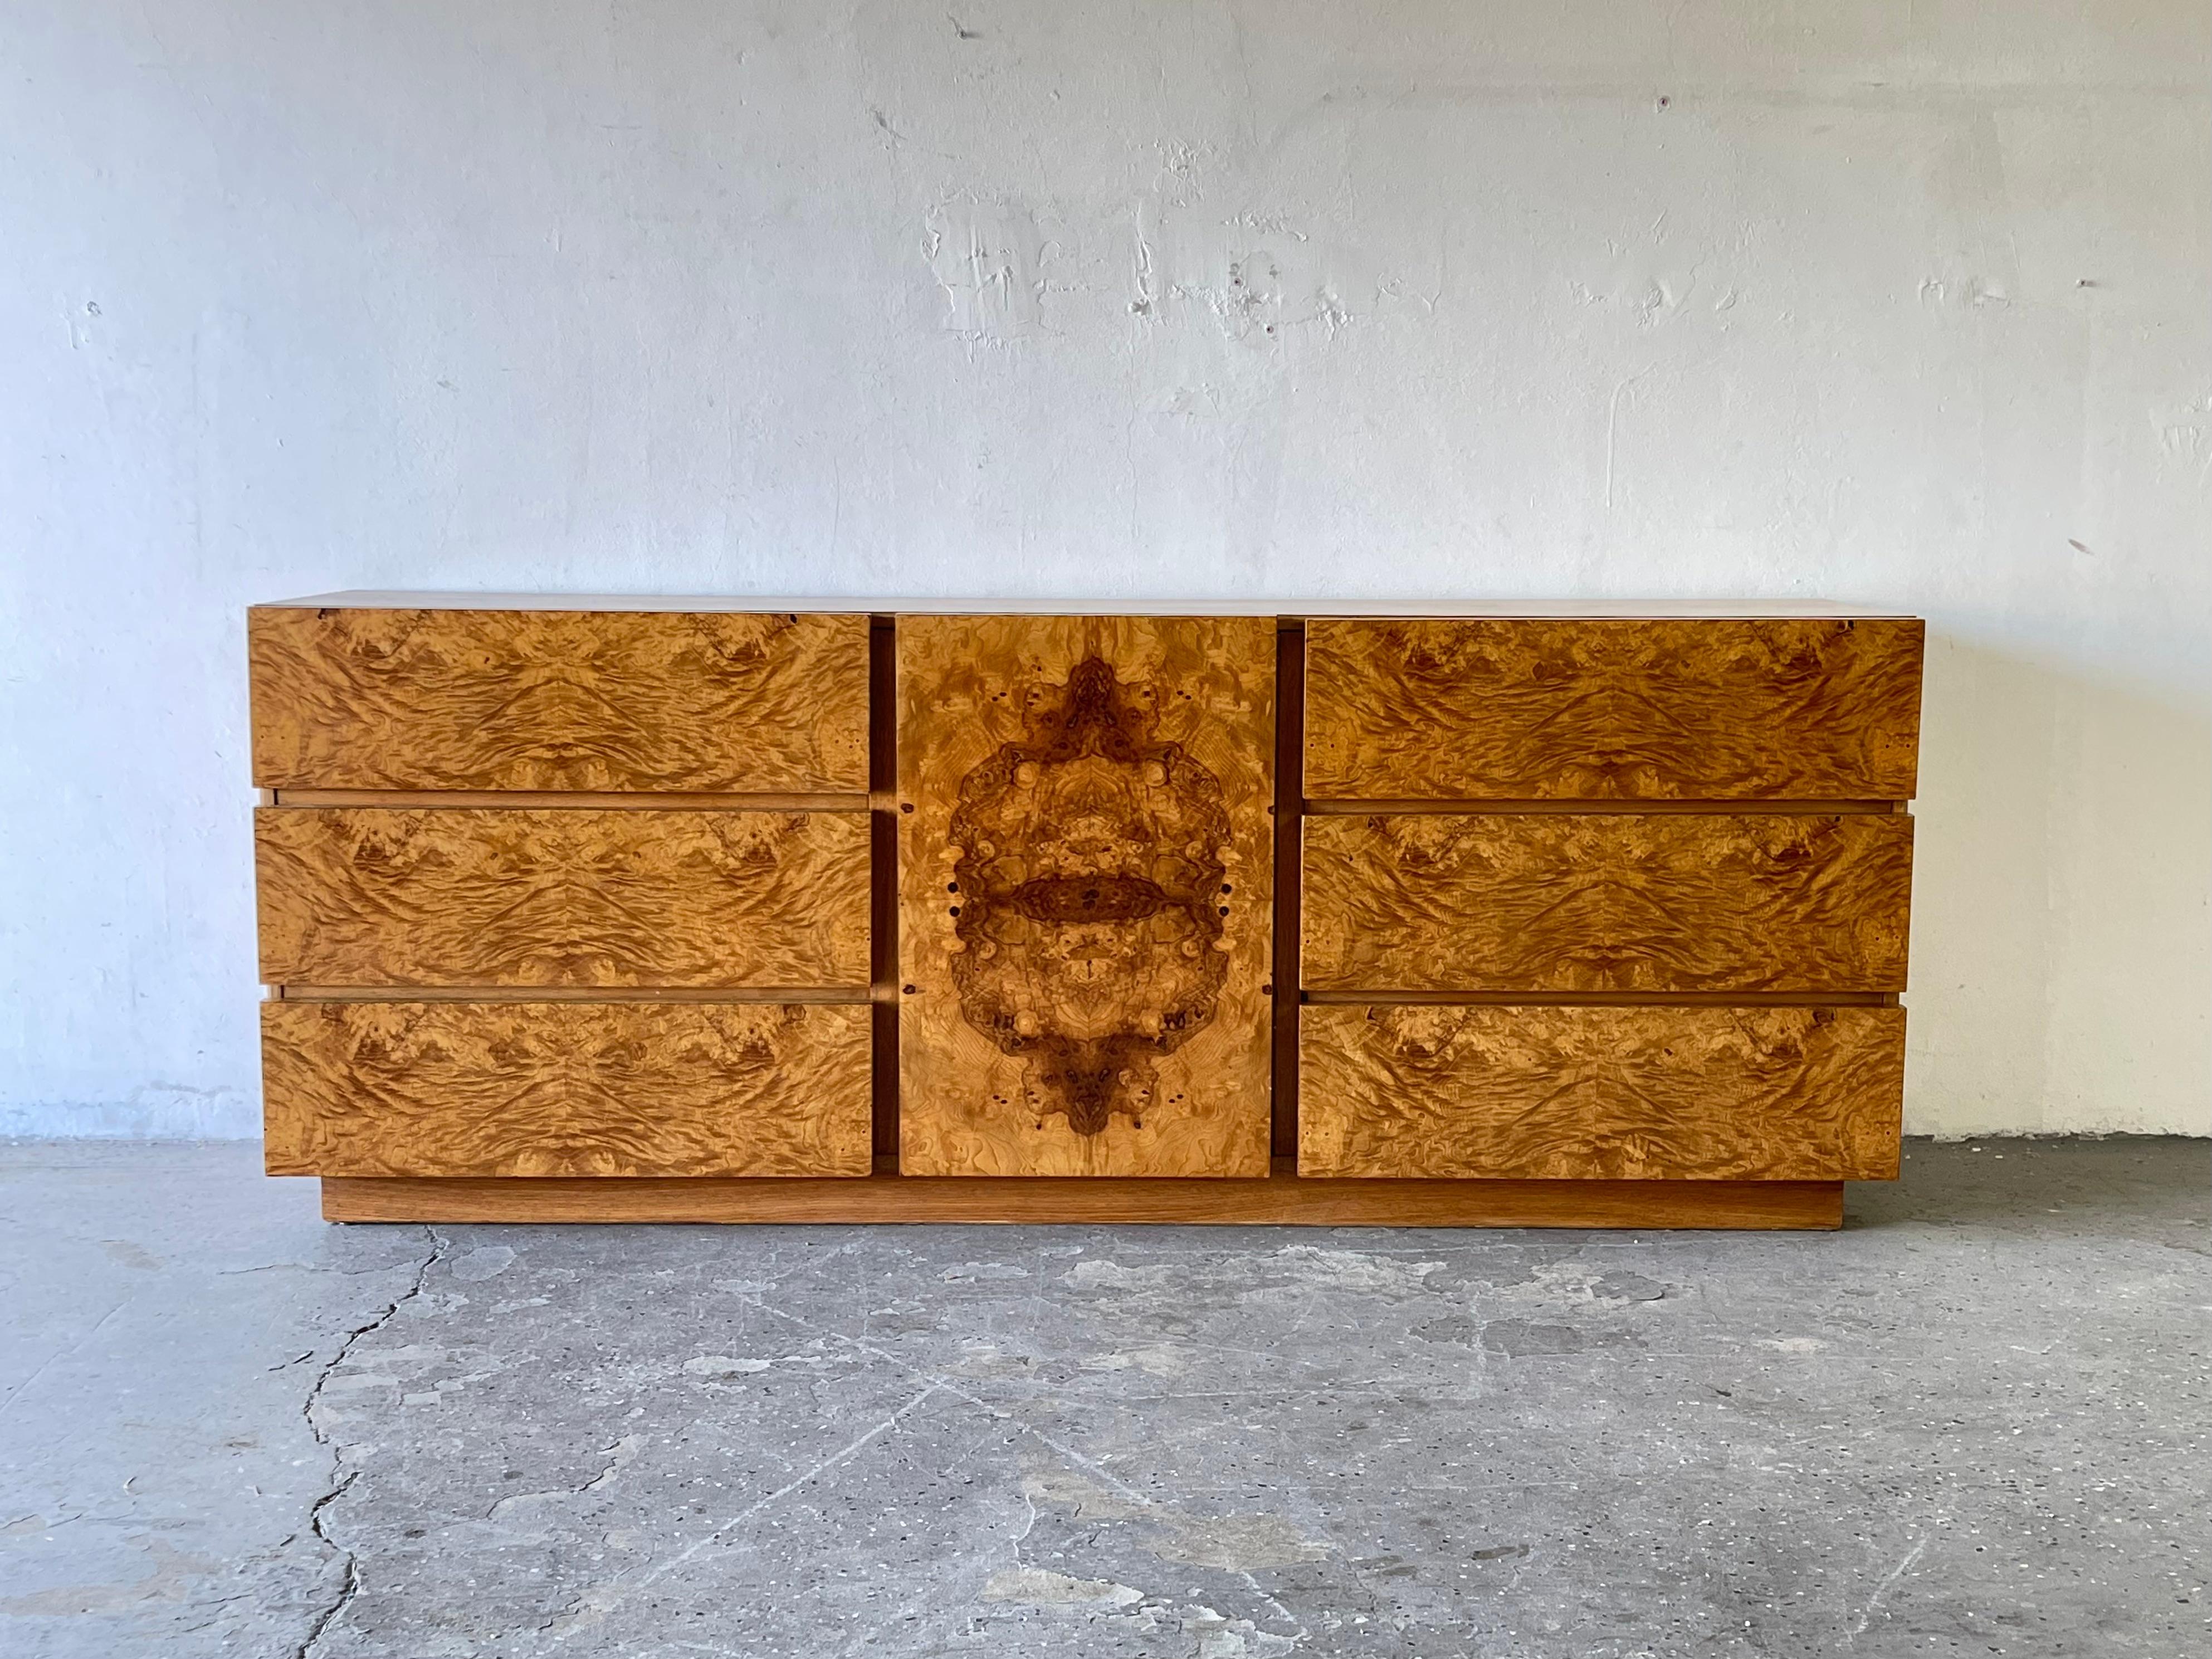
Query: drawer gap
point(824, 995)
point(1473, 807)
point(558, 799)
point(1603, 998)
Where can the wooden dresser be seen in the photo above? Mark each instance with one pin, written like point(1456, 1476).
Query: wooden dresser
point(763, 910)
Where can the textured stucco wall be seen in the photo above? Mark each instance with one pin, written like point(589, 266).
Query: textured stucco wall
point(1898, 304)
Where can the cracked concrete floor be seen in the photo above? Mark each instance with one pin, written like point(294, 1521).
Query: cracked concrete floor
point(1972, 1423)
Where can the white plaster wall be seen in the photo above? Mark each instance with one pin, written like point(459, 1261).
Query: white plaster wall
point(1902, 304)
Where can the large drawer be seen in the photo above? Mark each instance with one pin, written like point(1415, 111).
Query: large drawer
point(1607, 901)
point(565, 1089)
point(669, 702)
point(1601, 1093)
point(506, 897)
point(1523, 709)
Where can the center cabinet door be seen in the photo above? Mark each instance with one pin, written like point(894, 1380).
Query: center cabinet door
point(1085, 865)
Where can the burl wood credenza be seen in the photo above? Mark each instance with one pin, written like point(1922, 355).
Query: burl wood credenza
point(758, 910)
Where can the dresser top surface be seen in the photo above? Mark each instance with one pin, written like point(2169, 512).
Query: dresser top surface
point(1651, 609)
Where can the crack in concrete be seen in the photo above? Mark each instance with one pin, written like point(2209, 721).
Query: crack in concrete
point(617, 1456)
point(350, 1582)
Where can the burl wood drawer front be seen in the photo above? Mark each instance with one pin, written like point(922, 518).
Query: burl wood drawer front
point(445, 897)
point(1606, 902)
point(1086, 857)
point(565, 1089)
point(1646, 1093)
point(1606, 709)
point(670, 701)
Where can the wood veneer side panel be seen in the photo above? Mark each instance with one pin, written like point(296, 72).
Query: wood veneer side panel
point(561, 700)
point(883, 906)
point(1638, 1093)
point(1606, 902)
point(1105, 1201)
point(411, 1089)
point(1290, 797)
point(562, 897)
point(1781, 708)
point(1086, 861)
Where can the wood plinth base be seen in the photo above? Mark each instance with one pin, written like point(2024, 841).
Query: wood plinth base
point(1282, 1201)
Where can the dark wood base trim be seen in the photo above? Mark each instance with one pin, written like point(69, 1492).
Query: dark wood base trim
point(1282, 1201)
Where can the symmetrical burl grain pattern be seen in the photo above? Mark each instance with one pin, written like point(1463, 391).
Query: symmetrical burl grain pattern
point(1605, 901)
point(355, 896)
point(670, 701)
point(1629, 1094)
point(1613, 709)
point(566, 1089)
point(1043, 874)
point(1084, 902)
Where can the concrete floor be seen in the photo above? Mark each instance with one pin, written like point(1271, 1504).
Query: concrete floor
point(1972, 1423)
